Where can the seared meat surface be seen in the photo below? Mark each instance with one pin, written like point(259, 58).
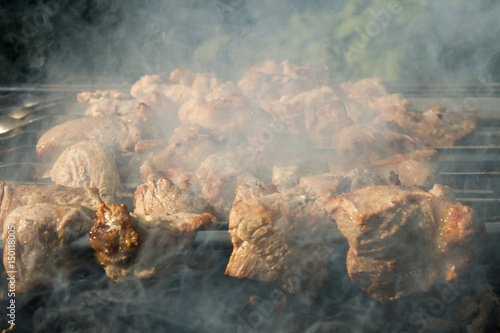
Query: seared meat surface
point(188, 146)
point(218, 178)
point(88, 164)
point(403, 239)
point(142, 245)
point(164, 197)
point(112, 132)
point(276, 238)
point(42, 233)
point(232, 115)
point(107, 103)
point(361, 144)
point(415, 168)
point(15, 195)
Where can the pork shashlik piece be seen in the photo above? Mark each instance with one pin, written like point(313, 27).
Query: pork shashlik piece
point(164, 197)
point(142, 245)
point(16, 195)
point(38, 253)
point(281, 238)
point(88, 164)
point(403, 239)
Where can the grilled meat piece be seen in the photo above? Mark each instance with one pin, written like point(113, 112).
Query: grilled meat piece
point(436, 127)
point(164, 197)
point(15, 195)
point(88, 164)
point(107, 103)
point(326, 121)
point(218, 179)
point(285, 177)
point(188, 146)
point(270, 80)
point(360, 144)
point(233, 115)
point(38, 250)
point(415, 168)
point(404, 239)
point(368, 88)
point(142, 245)
point(281, 238)
point(325, 185)
point(112, 132)
point(442, 127)
point(247, 189)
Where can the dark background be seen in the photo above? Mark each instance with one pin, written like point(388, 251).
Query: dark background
point(439, 41)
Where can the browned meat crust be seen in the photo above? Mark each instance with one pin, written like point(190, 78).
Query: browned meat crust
point(39, 252)
point(15, 195)
point(88, 164)
point(142, 245)
point(164, 197)
point(276, 238)
point(112, 132)
point(403, 239)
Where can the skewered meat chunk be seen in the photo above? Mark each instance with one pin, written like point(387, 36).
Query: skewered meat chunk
point(362, 143)
point(164, 197)
point(107, 103)
point(112, 132)
point(42, 233)
point(188, 146)
point(285, 177)
point(218, 179)
point(281, 238)
point(364, 89)
point(142, 245)
point(270, 80)
point(441, 127)
point(326, 121)
point(404, 239)
point(415, 168)
point(88, 164)
point(15, 195)
point(247, 189)
point(325, 185)
point(232, 115)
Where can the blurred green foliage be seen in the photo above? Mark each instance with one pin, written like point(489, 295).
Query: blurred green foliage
point(418, 41)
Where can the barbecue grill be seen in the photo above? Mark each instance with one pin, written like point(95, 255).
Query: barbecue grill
point(471, 168)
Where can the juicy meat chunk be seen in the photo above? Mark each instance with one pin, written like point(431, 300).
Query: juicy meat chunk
point(442, 127)
point(327, 120)
point(16, 195)
point(415, 168)
point(142, 245)
point(248, 189)
point(88, 164)
point(39, 249)
point(107, 103)
point(164, 197)
point(281, 238)
point(188, 146)
point(404, 239)
point(218, 179)
point(112, 132)
point(270, 80)
point(436, 127)
point(364, 89)
point(232, 115)
point(285, 177)
point(325, 185)
point(362, 143)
